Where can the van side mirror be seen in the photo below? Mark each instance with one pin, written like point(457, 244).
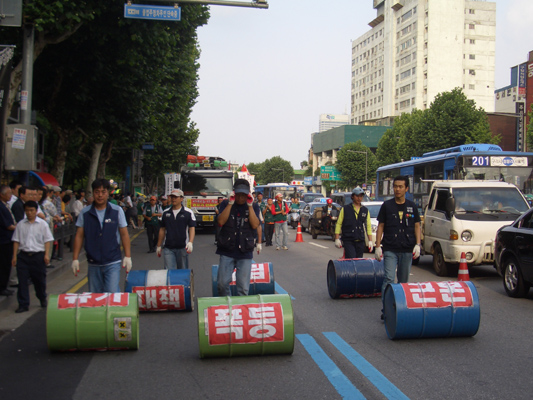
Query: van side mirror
point(450, 206)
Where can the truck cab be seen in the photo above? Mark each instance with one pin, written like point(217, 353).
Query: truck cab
point(463, 216)
point(203, 180)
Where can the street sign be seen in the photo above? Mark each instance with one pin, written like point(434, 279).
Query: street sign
point(329, 173)
point(164, 13)
point(148, 146)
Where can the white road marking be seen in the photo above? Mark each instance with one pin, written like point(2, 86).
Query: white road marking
point(318, 245)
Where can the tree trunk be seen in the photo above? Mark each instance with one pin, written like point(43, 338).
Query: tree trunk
point(104, 158)
point(63, 138)
point(93, 167)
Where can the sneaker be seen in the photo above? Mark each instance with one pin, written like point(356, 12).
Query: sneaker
point(285, 248)
point(277, 247)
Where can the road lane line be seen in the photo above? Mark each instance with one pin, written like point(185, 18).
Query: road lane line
point(280, 290)
point(318, 245)
point(368, 370)
point(339, 381)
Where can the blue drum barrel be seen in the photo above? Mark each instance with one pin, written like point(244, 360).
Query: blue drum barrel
point(163, 289)
point(357, 277)
point(261, 280)
point(431, 309)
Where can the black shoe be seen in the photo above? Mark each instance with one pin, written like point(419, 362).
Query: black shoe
point(44, 303)
point(49, 266)
point(21, 309)
point(151, 251)
point(6, 292)
point(15, 285)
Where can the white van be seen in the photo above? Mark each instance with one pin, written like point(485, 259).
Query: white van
point(463, 216)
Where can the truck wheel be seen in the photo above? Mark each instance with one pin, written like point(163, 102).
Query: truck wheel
point(512, 279)
point(439, 265)
point(313, 233)
point(302, 227)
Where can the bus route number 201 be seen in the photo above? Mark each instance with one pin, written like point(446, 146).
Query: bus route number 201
point(480, 161)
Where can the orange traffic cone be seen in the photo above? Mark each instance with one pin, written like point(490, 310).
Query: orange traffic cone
point(463, 269)
point(299, 238)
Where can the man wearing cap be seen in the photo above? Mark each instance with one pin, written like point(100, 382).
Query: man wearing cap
point(239, 220)
point(177, 230)
point(103, 226)
point(151, 213)
point(280, 211)
point(354, 223)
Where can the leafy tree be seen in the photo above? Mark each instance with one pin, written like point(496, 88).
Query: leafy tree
point(275, 169)
point(387, 151)
point(352, 163)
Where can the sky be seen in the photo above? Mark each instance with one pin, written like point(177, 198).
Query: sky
point(266, 75)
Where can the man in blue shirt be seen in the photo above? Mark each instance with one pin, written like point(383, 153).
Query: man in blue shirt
point(103, 225)
point(239, 220)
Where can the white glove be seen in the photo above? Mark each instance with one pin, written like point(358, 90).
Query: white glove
point(231, 199)
point(259, 247)
point(370, 246)
point(159, 251)
point(127, 263)
point(338, 243)
point(75, 267)
point(416, 251)
point(378, 253)
point(188, 247)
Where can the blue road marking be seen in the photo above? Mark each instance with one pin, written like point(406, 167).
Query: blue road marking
point(280, 290)
point(368, 370)
point(339, 381)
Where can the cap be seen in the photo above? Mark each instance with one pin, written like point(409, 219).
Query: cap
point(56, 188)
point(177, 193)
point(358, 191)
point(164, 197)
point(153, 198)
point(68, 191)
point(241, 186)
point(278, 195)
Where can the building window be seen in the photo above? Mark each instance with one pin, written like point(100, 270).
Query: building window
point(471, 11)
point(471, 26)
point(472, 71)
point(472, 56)
point(405, 104)
point(472, 41)
point(472, 87)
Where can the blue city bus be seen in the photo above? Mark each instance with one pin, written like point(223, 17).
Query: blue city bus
point(466, 162)
point(288, 191)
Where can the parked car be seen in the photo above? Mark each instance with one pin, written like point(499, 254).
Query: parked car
point(513, 255)
point(307, 212)
point(373, 209)
point(344, 198)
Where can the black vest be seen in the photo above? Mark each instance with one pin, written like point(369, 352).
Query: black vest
point(354, 228)
point(232, 237)
point(399, 234)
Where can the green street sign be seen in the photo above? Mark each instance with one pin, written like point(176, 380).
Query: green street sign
point(329, 173)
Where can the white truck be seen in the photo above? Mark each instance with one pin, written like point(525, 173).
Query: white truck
point(463, 216)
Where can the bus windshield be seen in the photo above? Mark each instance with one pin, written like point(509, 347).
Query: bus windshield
point(198, 184)
point(517, 175)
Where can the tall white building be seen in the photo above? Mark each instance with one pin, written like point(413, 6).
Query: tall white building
point(419, 48)
point(330, 121)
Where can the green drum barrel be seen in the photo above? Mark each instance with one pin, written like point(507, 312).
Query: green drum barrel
point(92, 321)
point(245, 325)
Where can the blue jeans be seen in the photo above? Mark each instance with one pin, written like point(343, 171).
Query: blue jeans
point(281, 229)
point(104, 279)
point(392, 259)
point(176, 258)
point(225, 270)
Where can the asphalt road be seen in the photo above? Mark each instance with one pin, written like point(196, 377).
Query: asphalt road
point(341, 347)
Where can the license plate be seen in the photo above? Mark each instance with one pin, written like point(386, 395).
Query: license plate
point(208, 218)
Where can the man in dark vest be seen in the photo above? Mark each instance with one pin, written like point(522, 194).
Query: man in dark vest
point(103, 226)
point(239, 220)
point(354, 223)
